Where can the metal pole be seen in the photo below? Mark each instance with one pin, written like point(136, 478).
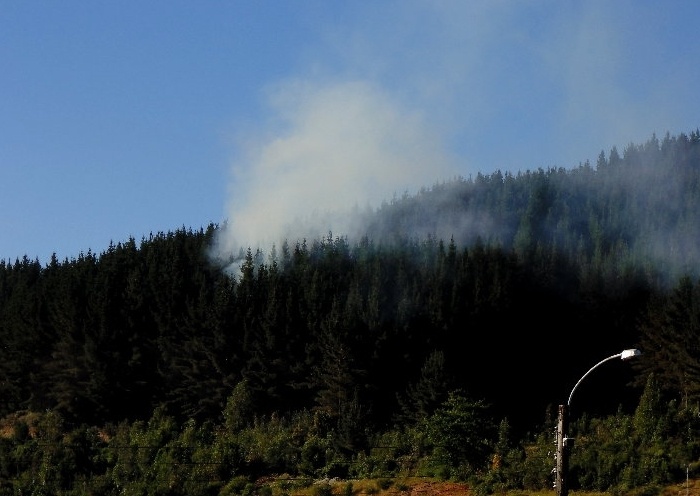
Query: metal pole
point(562, 469)
point(589, 371)
point(564, 443)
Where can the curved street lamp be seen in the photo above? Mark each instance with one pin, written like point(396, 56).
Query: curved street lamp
point(564, 443)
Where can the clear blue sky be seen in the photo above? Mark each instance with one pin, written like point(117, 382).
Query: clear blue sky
point(122, 118)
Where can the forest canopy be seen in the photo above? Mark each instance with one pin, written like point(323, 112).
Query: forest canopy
point(493, 293)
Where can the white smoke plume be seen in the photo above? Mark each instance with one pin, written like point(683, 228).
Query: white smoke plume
point(337, 150)
point(391, 92)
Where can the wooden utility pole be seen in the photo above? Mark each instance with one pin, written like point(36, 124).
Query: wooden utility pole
point(562, 469)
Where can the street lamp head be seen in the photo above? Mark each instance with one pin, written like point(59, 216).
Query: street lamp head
point(627, 354)
point(564, 442)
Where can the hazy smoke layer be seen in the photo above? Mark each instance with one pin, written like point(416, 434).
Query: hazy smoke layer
point(337, 150)
point(501, 85)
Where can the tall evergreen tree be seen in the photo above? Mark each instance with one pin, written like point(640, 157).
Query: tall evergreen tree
point(670, 338)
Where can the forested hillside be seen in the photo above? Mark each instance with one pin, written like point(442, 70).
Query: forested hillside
point(504, 288)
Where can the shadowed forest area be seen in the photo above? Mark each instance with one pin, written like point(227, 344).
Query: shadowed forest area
point(438, 344)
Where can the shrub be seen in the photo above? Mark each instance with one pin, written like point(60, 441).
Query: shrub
point(322, 489)
point(384, 484)
point(348, 489)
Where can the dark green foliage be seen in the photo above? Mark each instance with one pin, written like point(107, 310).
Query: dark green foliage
point(617, 452)
point(670, 332)
point(239, 411)
point(431, 390)
point(307, 358)
point(462, 433)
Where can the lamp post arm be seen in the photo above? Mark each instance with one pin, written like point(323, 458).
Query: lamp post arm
point(589, 371)
point(563, 446)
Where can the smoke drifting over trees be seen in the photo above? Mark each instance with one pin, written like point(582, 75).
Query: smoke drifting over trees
point(339, 151)
point(635, 204)
point(386, 332)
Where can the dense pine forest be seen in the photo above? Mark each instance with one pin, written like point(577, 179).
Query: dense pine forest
point(438, 343)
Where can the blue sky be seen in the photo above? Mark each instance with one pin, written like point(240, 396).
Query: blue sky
point(124, 118)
